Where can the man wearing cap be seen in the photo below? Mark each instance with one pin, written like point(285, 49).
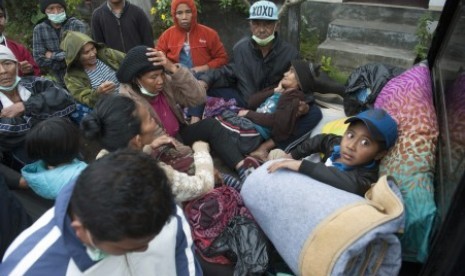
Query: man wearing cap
point(47, 36)
point(121, 25)
point(350, 162)
point(27, 65)
point(258, 61)
point(24, 102)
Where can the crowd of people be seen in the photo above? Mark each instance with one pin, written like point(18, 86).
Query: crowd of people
point(158, 112)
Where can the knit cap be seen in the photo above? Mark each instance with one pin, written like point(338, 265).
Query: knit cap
point(45, 3)
point(263, 10)
point(134, 64)
point(380, 124)
point(304, 71)
point(7, 54)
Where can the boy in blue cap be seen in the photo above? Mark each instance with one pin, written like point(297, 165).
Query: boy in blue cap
point(351, 161)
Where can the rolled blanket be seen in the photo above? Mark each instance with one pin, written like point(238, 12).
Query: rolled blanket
point(321, 230)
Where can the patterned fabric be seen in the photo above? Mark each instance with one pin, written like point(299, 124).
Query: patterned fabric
point(179, 159)
point(215, 106)
point(209, 215)
point(81, 111)
point(408, 99)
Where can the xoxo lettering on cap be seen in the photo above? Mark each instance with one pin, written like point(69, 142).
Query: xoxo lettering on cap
point(263, 10)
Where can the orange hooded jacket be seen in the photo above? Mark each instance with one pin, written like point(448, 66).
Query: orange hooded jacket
point(206, 46)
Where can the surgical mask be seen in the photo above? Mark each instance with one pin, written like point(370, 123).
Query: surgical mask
point(263, 42)
point(57, 18)
point(146, 92)
point(13, 86)
point(94, 253)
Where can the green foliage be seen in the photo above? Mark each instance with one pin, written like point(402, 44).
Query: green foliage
point(71, 6)
point(25, 14)
point(309, 45)
point(20, 16)
point(234, 4)
point(161, 13)
point(309, 40)
point(332, 71)
point(423, 35)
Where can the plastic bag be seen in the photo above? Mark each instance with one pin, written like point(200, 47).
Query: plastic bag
point(244, 243)
point(364, 85)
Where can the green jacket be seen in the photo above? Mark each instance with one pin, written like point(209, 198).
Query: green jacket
point(76, 79)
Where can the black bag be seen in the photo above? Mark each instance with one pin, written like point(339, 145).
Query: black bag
point(364, 85)
point(244, 243)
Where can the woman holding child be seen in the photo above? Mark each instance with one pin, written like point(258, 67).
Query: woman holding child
point(118, 121)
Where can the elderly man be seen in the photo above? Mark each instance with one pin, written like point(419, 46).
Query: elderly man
point(258, 61)
point(24, 102)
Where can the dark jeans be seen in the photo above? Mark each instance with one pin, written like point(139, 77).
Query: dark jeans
point(303, 125)
point(226, 93)
point(211, 131)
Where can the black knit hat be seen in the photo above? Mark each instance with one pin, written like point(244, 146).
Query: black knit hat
point(134, 64)
point(305, 73)
point(45, 3)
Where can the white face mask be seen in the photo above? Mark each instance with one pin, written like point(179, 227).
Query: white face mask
point(94, 253)
point(57, 18)
point(146, 92)
point(264, 41)
point(12, 87)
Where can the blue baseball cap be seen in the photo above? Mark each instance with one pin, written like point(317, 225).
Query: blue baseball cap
point(380, 124)
point(263, 10)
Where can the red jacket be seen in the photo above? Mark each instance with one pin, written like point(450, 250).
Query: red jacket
point(22, 54)
point(206, 46)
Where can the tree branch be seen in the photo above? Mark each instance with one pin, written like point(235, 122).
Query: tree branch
point(246, 3)
point(287, 4)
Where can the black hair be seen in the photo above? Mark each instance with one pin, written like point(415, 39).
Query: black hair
point(54, 140)
point(113, 122)
point(124, 194)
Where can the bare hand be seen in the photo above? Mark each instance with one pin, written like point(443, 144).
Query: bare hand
point(12, 111)
point(48, 54)
point(204, 84)
point(25, 67)
point(161, 140)
point(106, 87)
point(280, 88)
point(159, 58)
point(289, 164)
point(242, 112)
point(198, 69)
point(302, 109)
